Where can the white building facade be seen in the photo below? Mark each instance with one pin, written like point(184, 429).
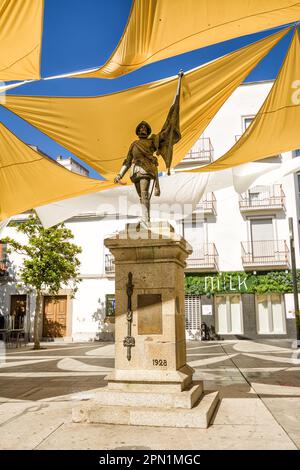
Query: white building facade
point(238, 279)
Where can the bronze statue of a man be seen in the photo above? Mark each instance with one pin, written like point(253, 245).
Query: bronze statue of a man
point(142, 155)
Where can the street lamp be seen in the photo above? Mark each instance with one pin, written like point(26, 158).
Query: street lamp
point(295, 286)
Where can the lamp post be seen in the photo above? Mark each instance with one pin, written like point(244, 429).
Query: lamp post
point(295, 286)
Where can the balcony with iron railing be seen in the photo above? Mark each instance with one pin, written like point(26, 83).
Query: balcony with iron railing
point(201, 154)
point(270, 198)
point(205, 258)
point(208, 205)
point(109, 264)
point(265, 254)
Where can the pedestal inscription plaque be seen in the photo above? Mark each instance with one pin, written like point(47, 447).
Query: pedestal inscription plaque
point(149, 314)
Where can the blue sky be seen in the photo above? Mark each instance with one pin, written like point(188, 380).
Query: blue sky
point(82, 34)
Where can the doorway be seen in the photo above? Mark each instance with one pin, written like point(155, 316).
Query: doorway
point(55, 316)
point(17, 311)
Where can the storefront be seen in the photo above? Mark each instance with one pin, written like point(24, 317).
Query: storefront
point(233, 305)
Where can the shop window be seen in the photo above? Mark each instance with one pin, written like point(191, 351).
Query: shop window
point(270, 314)
point(229, 314)
point(110, 305)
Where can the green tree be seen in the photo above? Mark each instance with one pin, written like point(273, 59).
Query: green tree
point(50, 262)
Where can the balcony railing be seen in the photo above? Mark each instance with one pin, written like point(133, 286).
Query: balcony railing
point(109, 264)
point(203, 258)
point(271, 197)
point(202, 153)
point(265, 253)
point(208, 204)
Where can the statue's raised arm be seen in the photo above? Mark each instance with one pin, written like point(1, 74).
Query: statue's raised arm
point(170, 132)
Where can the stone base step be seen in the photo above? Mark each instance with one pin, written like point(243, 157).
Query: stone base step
point(150, 398)
point(156, 387)
point(197, 417)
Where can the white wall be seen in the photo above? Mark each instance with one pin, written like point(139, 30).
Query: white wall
point(245, 101)
point(88, 310)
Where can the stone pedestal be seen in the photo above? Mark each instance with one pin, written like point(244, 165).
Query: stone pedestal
point(155, 386)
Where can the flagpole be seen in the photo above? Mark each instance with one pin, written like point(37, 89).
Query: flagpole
point(180, 75)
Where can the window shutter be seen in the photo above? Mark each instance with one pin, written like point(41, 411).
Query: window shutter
point(193, 312)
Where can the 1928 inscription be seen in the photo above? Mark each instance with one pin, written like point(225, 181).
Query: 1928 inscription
point(159, 362)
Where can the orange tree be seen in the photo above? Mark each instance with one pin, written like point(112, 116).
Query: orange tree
point(50, 262)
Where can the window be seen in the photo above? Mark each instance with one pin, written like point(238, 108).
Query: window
point(110, 305)
point(262, 238)
point(270, 314)
point(194, 230)
point(192, 312)
point(298, 177)
point(258, 194)
point(254, 196)
point(3, 258)
point(247, 121)
point(194, 233)
point(261, 230)
point(109, 263)
point(263, 246)
point(229, 314)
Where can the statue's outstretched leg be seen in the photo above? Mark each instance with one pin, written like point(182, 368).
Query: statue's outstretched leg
point(138, 188)
point(145, 199)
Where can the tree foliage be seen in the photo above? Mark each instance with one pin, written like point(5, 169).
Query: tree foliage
point(50, 258)
point(50, 261)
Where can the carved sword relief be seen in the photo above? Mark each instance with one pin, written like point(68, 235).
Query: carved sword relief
point(129, 341)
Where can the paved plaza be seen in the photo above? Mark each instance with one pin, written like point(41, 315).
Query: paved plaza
point(259, 384)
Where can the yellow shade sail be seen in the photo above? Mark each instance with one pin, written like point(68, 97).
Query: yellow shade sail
point(158, 29)
point(21, 25)
point(99, 130)
point(275, 128)
point(29, 179)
